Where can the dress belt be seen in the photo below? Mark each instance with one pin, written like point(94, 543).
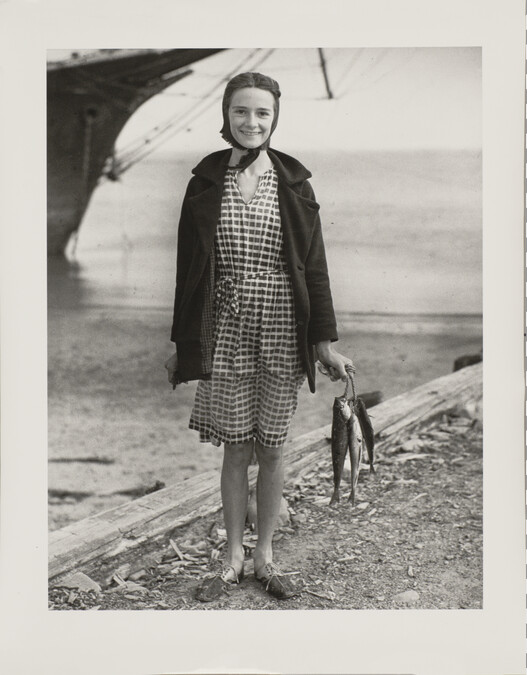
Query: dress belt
point(227, 296)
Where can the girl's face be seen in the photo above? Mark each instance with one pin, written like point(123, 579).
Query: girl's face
point(251, 113)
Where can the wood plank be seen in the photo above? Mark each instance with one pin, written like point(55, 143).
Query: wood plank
point(419, 405)
point(124, 528)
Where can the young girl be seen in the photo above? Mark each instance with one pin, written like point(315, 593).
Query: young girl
point(252, 306)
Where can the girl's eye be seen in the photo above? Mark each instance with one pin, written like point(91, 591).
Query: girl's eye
point(242, 111)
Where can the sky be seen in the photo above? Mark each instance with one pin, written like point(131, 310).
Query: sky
point(384, 99)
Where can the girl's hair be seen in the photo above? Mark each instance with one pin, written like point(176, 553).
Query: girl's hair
point(242, 81)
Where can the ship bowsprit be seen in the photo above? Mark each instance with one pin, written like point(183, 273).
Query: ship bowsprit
point(89, 100)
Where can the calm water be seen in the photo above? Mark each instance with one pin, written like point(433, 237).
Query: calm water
point(402, 231)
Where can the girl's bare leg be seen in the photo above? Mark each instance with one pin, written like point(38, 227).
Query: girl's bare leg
point(235, 494)
point(269, 489)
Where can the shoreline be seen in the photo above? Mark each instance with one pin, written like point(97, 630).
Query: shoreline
point(346, 318)
point(108, 397)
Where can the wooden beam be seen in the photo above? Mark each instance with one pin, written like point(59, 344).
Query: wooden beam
point(84, 544)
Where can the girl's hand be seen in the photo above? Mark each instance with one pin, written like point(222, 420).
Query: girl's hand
point(334, 362)
point(171, 366)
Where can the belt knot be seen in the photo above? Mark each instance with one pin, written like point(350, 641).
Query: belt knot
point(227, 295)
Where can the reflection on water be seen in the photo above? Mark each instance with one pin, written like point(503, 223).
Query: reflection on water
point(67, 289)
point(117, 277)
point(402, 234)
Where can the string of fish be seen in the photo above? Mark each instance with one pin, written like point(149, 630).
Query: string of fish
point(351, 428)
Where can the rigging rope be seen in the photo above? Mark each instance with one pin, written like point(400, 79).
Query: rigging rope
point(199, 113)
point(366, 69)
point(141, 148)
point(355, 57)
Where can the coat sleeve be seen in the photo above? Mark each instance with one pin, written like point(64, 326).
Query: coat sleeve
point(184, 247)
point(322, 321)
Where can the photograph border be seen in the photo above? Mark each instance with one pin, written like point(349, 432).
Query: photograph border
point(491, 640)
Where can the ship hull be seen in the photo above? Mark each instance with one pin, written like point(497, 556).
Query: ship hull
point(87, 107)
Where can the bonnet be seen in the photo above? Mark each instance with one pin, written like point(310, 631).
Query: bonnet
point(243, 81)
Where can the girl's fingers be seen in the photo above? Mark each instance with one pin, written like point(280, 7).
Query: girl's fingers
point(337, 372)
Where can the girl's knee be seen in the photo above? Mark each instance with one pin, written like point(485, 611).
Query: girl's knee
point(269, 457)
point(238, 454)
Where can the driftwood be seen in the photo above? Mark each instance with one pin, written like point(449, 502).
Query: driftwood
point(371, 398)
point(86, 544)
point(467, 360)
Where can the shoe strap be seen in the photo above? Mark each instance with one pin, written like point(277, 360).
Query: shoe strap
point(271, 569)
point(225, 570)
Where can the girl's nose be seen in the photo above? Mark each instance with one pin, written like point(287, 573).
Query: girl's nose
point(251, 120)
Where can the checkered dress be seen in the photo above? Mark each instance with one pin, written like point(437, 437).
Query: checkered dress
point(256, 369)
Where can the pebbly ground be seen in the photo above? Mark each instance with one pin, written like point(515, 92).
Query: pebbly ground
point(414, 539)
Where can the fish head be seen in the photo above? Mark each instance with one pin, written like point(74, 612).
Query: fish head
point(343, 406)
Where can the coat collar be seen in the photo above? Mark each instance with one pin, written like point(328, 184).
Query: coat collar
point(290, 170)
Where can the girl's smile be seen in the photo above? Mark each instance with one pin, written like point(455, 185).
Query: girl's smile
point(251, 114)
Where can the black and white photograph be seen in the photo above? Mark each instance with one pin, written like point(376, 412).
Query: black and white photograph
point(259, 339)
point(359, 308)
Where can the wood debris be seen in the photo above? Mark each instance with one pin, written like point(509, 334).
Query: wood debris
point(176, 549)
point(411, 457)
point(350, 559)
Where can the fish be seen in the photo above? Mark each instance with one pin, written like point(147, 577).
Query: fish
point(351, 430)
point(355, 448)
point(367, 430)
point(339, 442)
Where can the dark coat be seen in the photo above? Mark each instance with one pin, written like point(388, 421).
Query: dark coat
point(303, 249)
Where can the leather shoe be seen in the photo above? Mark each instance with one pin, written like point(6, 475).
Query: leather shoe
point(213, 587)
point(276, 583)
